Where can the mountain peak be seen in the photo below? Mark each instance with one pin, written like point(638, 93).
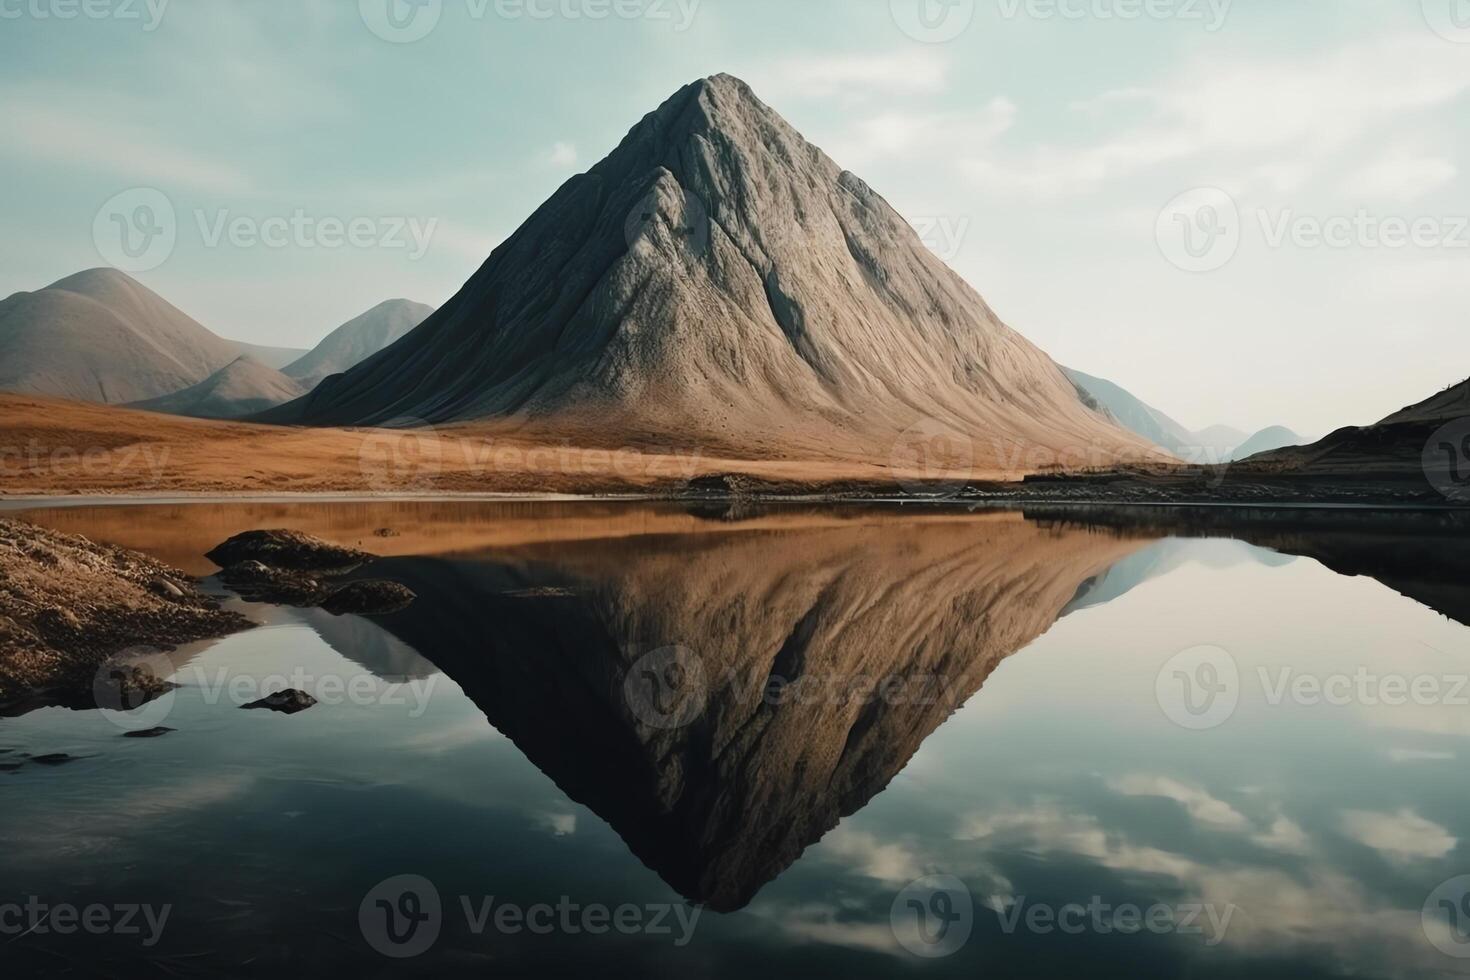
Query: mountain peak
point(718, 280)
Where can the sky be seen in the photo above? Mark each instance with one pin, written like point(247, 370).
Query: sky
point(1247, 212)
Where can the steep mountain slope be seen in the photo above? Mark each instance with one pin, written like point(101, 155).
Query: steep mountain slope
point(357, 340)
point(243, 387)
point(720, 282)
point(101, 336)
point(1265, 441)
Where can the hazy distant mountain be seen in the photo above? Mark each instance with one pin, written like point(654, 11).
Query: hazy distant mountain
point(243, 387)
point(101, 336)
point(271, 357)
point(1206, 446)
point(719, 281)
point(357, 340)
point(1276, 437)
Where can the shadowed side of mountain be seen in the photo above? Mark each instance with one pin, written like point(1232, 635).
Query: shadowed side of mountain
point(1402, 446)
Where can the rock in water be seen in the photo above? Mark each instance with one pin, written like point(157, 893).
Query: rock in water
point(284, 702)
point(287, 550)
point(719, 282)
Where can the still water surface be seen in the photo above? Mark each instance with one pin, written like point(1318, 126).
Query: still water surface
point(654, 743)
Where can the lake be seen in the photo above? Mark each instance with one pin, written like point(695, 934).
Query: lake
point(645, 740)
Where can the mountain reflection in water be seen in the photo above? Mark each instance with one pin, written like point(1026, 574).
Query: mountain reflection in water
point(724, 693)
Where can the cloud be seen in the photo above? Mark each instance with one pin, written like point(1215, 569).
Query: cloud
point(53, 135)
point(888, 862)
point(1403, 836)
point(904, 72)
point(563, 155)
point(1284, 835)
point(1317, 108)
point(1201, 806)
point(1401, 176)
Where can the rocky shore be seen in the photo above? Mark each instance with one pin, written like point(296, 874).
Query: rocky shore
point(68, 605)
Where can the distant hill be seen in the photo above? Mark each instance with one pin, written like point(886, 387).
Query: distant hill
point(1211, 445)
point(243, 387)
point(271, 357)
point(357, 340)
point(1265, 441)
point(101, 336)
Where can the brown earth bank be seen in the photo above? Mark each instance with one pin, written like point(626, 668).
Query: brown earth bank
point(59, 448)
point(68, 605)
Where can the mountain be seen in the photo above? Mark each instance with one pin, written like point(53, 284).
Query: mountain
point(1265, 441)
point(101, 336)
point(1205, 446)
point(718, 281)
point(357, 340)
point(638, 673)
point(243, 387)
point(1428, 440)
point(272, 357)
